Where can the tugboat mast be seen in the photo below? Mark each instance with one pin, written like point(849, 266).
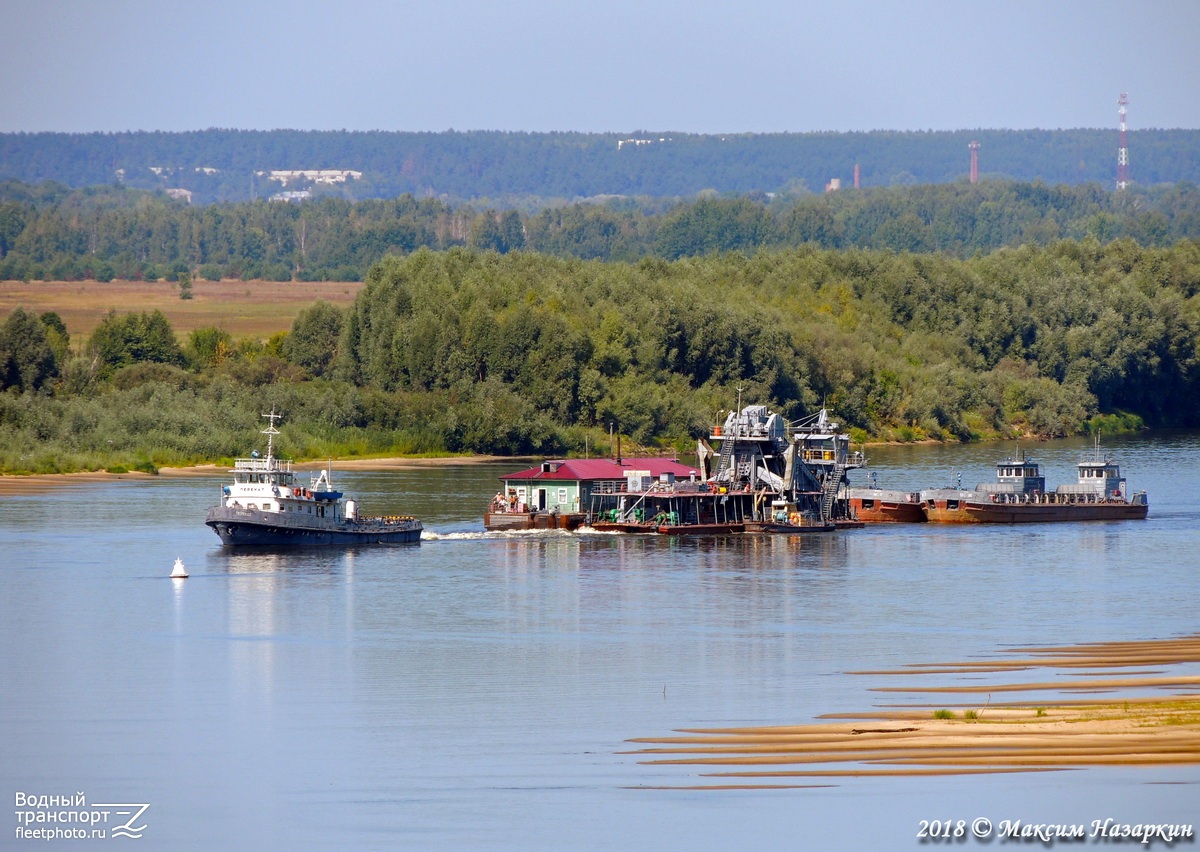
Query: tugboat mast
point(271, 432)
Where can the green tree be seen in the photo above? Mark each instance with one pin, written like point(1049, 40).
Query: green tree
point(27, 359)
point(123, 339)
point(313, 340)
point(716, 224)
point(486, 234)
point(512, 231)
point(208, 347)
point(57, 335)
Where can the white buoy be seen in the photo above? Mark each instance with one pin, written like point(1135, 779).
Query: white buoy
point(178, 572)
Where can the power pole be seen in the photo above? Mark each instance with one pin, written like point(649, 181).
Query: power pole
point(1123, 151)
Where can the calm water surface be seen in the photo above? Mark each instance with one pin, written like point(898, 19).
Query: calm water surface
point(476, 692)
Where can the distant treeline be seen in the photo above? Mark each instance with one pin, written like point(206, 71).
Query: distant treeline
point(51, 232)
point(524, 353)
point(530, 171)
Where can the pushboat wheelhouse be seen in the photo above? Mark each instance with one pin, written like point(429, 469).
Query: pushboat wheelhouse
point(1019, 496)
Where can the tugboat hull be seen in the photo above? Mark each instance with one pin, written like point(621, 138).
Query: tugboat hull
point(249, 527)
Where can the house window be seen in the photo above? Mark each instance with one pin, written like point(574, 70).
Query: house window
point(562, 496)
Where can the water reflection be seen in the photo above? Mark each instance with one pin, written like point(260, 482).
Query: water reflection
point(474, 690)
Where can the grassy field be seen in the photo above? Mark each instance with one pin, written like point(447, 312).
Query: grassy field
point(254, 309)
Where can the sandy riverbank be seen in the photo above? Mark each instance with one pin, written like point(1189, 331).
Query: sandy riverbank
point(981, 737)
point(40, 483)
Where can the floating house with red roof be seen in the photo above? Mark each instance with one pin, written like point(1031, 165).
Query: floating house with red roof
point(558, 493)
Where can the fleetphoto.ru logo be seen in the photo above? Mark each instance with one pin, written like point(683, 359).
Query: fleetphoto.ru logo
point(72, 818)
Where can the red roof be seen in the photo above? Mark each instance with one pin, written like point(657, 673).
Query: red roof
point(591, 469)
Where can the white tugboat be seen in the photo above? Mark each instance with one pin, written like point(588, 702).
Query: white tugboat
point(267, 505)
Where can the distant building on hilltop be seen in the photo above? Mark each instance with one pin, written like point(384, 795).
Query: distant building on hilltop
point(330, 176)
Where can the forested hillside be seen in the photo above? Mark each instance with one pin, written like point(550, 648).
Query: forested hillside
point(529, 171)
point(515, 353)
point(50, 232)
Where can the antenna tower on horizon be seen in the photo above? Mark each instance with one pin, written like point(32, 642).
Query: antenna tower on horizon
point(974, 146)
point(1123, 151)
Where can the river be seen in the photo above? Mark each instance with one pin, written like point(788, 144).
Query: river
point(477, 691)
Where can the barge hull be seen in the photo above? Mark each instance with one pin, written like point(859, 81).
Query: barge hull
point(886, 512)
point(649, 528)
point(1034, 513)
point(886, 506)
point(699, 529)
point(514, 521)
point(772, 528)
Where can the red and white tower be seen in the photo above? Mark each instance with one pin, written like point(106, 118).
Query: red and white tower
point(974, 146)
point(1122, 152)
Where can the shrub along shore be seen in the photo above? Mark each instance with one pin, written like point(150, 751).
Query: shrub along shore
point(467, 352)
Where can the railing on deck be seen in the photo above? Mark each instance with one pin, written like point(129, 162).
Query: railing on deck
point(266, 465)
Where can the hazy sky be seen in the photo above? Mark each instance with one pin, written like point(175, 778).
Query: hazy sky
point(619, 65)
